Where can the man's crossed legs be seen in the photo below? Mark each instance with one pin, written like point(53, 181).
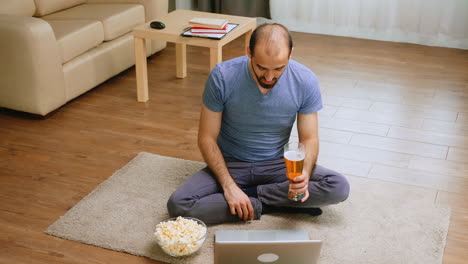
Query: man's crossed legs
point(202, 197)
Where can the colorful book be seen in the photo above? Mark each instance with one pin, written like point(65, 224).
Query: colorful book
point(216, 23)
point(188, 33)
point(209, 30)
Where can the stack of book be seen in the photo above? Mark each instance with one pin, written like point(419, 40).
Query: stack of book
point(203, 26)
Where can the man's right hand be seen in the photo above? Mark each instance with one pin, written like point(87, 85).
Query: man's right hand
point(239, 203)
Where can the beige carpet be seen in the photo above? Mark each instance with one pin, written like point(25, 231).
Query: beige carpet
point(380, 222)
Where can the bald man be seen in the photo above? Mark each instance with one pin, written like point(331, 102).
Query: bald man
point(249, 107)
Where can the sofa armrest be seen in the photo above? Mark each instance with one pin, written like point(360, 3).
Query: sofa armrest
point(31, 76)
point(153, 8)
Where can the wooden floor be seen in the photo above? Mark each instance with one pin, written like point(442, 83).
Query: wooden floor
point(393, 112)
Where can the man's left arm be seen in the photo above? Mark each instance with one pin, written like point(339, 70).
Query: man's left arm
point(307, 128)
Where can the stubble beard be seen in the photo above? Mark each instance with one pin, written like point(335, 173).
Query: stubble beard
point(259, 79)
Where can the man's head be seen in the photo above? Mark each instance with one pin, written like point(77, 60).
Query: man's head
point(270, 49)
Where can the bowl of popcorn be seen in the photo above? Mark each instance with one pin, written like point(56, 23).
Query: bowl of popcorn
point(181, 236)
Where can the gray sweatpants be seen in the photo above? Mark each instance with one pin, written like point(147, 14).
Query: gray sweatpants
point(202, 197)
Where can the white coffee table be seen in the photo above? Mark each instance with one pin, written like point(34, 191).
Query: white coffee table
point(176, 22)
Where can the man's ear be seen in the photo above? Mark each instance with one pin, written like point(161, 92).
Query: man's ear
point(247, 51)
point(292, 51)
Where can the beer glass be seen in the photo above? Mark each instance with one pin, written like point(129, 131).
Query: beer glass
point(294, 155)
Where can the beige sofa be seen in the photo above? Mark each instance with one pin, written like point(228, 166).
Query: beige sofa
point(52, 51)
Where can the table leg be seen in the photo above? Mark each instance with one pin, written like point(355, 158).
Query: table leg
point(216, 56)
point(247, 37)
point(181, 60)
point(141, 69)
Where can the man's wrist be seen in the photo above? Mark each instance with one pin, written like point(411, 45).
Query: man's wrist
point(228, 185)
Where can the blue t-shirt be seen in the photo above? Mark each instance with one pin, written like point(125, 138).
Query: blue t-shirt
point(254, 126)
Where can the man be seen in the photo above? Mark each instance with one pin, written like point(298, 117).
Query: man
point(250, 104)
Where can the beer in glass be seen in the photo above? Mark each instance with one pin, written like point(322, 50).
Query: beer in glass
point(294, 155)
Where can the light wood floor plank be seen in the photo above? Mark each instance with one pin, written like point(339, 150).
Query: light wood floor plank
point(462, 118)
point(357, 126)
point(455, 104)
point(399, 145)
point(326, 134)
point(328, 111)
point(435, 138)
point(331, 80)
point(453, 200)
point(379, 91)
point(362, 94)
point(394, 88)
point(445, 167)
point(379, 118)
point(419, 178)
point(345, 166)
point(333, 135)
point(406, 110)
point(458, 154)
point(451, 92)
point(450, 128)
point(361, 104)
point(365, 154)
point(333, 100)
point(322, 120)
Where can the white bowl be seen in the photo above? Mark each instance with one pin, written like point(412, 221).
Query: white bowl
point(181, 236)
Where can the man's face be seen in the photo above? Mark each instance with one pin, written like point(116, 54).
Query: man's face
point(268, 68)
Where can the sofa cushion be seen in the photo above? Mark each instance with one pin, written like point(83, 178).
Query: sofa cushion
point(17, 7)
point(117, 19)
point(74, 37)
point(45, 7)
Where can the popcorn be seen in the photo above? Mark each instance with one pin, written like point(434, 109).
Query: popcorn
point(180, 237)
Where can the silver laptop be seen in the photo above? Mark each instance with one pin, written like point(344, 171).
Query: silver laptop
point(265, 246)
